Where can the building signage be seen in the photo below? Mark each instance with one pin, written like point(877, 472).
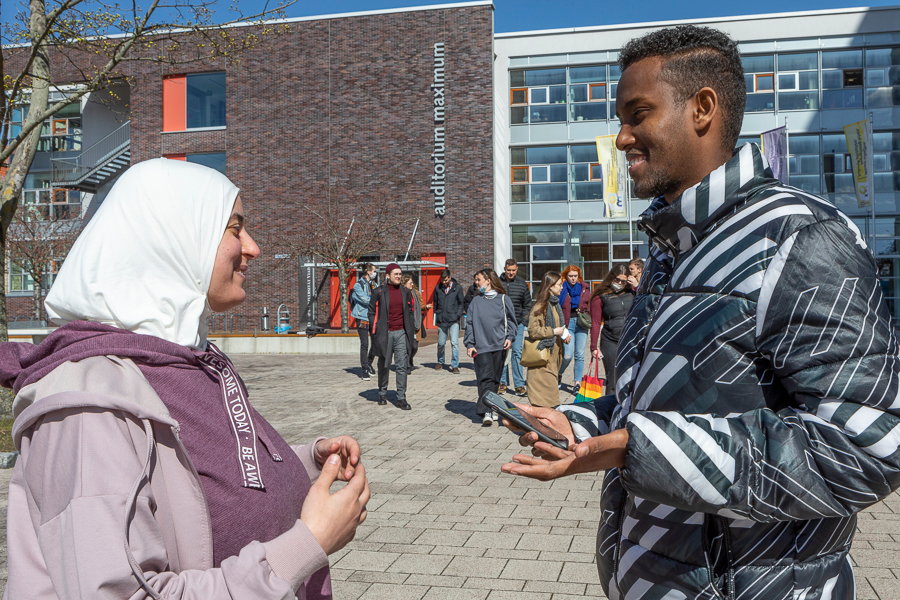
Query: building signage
point(438, 153)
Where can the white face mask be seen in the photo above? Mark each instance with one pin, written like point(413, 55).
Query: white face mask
point(617, 286)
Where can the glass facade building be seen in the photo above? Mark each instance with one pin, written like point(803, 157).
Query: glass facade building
point(813, 72)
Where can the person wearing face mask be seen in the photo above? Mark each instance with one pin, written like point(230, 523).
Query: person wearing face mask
point(546, 323)
point(610, 304)
point(144, 470)
point(490, 331)
point(360, 297)
point(573, 299)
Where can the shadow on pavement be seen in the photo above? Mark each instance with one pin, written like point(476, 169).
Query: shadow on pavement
point(464, 408)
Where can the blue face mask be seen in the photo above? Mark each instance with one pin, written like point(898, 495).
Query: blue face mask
point(482, 290)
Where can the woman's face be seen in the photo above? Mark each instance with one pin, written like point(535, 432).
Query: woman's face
point(572, 276)
point(409, 284)
point(482, 282)
point(236, 250)
point(556, 288)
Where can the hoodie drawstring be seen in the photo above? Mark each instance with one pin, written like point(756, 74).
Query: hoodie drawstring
point(129, 507)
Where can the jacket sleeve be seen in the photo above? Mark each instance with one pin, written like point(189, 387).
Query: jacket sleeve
point(79, 470)
point(512, 326)
point(358, 296)
point(460, 304)
point(829, 446)
point(596, 310)
point(373, 303)
point(537, 327)
point(565, 303)
point(469, 335)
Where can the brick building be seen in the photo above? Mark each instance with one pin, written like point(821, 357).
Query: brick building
point(351, 110)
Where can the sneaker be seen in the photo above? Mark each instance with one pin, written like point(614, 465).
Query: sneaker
point(502, 389)
point(405, 406)
point(486, 420)
point(455, 370)
point(382, 400)
point(371, 370)
point(494, 416)
point(365, 376)
point(521, 390)
point(439, 367)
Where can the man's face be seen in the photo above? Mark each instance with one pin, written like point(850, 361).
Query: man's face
point(446, 281)
point(511, 271)
point(634, 270)
point(394, 276)
point(656, 132)
point(371, 273)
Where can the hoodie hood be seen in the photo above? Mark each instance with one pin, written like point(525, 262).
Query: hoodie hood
point(23, 363)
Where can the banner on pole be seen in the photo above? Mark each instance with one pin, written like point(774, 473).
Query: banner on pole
point(859, 143)
point(608, 157)
point(774, 147)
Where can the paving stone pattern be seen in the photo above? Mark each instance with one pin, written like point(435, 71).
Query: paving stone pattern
point(444, 523)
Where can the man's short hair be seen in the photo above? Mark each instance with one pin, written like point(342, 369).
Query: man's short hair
point(694, 58)
point(638, 262)
point(445, 273)
point(510, 262)
point(367, 267)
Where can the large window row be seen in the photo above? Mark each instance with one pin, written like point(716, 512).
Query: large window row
point(821, 164)
point(563, 94)
point(868, 78)
point(555, 173)
point(592, 247)
point(61, 133)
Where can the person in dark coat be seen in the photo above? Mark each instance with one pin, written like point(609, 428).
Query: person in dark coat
point(521, 298)
point(393, 332)
point(609, 307)
point(448, 310)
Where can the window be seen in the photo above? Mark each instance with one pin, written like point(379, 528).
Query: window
point(19, 279)
point(882, 78)
point(545, 95)
point(213, 160)
point(60, 133)
point(798, 81)
point(193, 101)
point(759, 80)
point(842, 79)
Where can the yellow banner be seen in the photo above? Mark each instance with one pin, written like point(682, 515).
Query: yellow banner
point(859, 143)
point(608, 157)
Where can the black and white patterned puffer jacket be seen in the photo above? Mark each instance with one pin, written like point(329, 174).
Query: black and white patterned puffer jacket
point(758, 381)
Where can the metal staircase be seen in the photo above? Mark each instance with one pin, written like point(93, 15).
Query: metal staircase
point(96, 165)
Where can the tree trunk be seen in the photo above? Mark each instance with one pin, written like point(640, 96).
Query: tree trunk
point(343, 276)
point(20, 163)
point(36, 298)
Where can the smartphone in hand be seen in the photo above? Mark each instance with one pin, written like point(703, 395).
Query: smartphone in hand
point(525, 422)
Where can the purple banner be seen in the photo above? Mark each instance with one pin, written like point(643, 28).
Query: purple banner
point(774, 143)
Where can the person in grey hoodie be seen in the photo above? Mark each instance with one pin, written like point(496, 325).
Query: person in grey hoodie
point(490, 330)
point(145, 471)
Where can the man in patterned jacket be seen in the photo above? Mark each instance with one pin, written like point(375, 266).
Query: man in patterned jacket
point(757, 406)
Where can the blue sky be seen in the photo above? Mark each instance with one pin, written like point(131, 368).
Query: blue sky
point(522, 15)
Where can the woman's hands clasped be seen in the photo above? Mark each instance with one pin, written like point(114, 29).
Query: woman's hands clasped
point(333, 517)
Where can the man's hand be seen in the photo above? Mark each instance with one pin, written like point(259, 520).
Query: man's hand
point(548, 416)
point(333, 518)
point(596, 353)
point(471, 352)
point(507, 344)
point(595, 454)
point(347, 450)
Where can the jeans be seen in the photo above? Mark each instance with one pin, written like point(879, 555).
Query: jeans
point(517, 374)
point(396, 349)
point(451, 331)
point(366, 353)
point(575, 349)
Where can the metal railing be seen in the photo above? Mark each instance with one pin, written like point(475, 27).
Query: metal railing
point(106, 148)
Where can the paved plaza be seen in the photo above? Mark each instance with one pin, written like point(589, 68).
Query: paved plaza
point(444, 523)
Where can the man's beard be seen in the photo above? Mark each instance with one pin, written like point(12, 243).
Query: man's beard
point(654, 183)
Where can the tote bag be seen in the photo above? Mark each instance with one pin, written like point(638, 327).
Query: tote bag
point(591, 384)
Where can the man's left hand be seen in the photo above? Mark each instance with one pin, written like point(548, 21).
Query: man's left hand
point(507, 344)
point(549, 462)
point(344, 446)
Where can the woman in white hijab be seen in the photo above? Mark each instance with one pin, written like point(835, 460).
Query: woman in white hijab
point(145, 472)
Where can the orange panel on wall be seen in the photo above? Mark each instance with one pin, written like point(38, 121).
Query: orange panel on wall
point(431, 277)
point(334, 314)
point(174, 103)
point(175, 156)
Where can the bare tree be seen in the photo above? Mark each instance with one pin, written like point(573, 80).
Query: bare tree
point(37, 238)
point(95, 39)
point(341, 236)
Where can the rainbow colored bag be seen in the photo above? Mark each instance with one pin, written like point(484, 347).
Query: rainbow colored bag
point(591, 384)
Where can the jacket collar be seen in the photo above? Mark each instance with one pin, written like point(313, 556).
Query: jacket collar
point(676, 228)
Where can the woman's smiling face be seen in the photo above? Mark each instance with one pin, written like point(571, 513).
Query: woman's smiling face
point(236, 250)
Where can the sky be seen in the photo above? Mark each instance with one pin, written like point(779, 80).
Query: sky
point(525, 15)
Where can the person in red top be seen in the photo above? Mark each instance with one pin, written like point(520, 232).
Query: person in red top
point(393, 332)
point(610, 304)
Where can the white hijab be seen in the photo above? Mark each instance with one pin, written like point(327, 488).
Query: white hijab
point(144, 261)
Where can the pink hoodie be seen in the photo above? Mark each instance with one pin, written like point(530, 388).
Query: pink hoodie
point(105, 500)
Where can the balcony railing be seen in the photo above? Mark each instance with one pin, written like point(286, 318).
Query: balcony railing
point(105, 149)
